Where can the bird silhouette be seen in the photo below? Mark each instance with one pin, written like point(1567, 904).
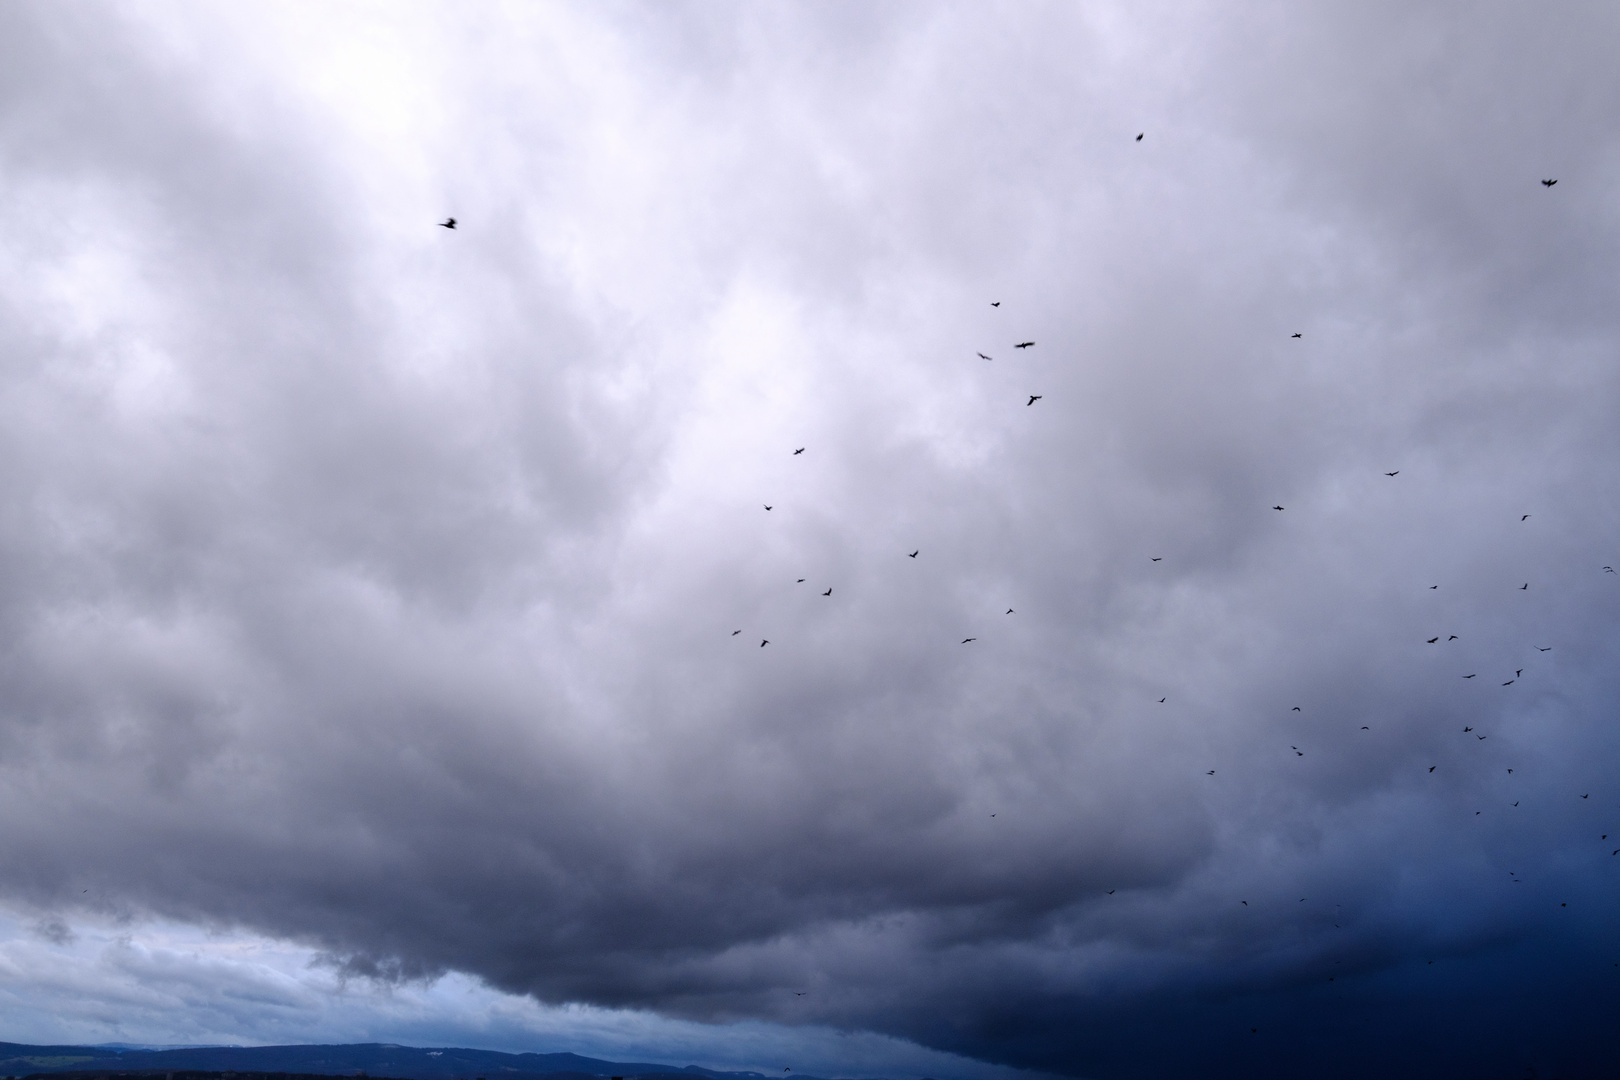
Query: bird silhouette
point(1510, 772)
point(1297, 335)
point(766, 505)
point(1434, 586)
point(1431, 768)
point(1608, 569)
point(1510, 682)
point(968, 639)
point(995, 303)
point(984, 357)
point(1139, 136)
point(1276, 508)
point(1523, 587)
point(1584, 796)
point(1033, 398)
point(1023, 344)
point(1540, 649)
point(799, 451)
point(1009, 611)
point(1470, 676)
point(1296, 708)
point(1397, 472)
point(827, 593)
point(1468, 729)
point(800, 993)
point(1525, 518)
point(1433, 640)
point(1517, 673)
point(1548, 183)
point(1161, 701)
point(1453, 637)
point(734, 633)
point(1245, 903)
point(799, 582)
point(448, 223)
point(1210, 773)
point(913, 555)
point(1364, 727)
point(762, 644)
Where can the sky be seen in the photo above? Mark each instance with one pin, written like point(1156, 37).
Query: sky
point(403, 627)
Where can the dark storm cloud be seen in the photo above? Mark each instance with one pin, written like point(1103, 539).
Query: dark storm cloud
point(373, 585)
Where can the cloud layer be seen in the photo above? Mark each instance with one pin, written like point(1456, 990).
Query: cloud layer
point(377, 586)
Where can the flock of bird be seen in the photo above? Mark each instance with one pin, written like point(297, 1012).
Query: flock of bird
point(450, 223)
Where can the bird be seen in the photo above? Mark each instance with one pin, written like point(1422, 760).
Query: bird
point(968, 639)
point(1276, 508)
point(913, 555)
point(1023, 344)
point(984, 357)
point(1009, 611)
point(1481, 738)
point(1471, 676)
point(1434, 639)
point(1156, 558)
point(1297, 335)
point(1245, 903)
point(766, 505)
point(1584, 796)
point(1453, 637)
point(1139, 136)
point(1434, 586)
point(1540, 649)
point(1161, 701)
point(448, 223)
point(1296, 708)
point(800, 993)
point(1110, 892)
point(1523, 587)
point(827, 593)
point(799, 451)
point(799, 582)
point(1364, 727)
point(1033, 398)
point(1468, 729)
point(1548, 183)
point(1608, 569)
point(764, 643)
point(1525, 518)
point(1397, 472)
point(995, 303)
point(1510, 772)
point(1431, 768)
point(1510, 682)
point(1516, 674)
point(1210, 773)
point(734, 633)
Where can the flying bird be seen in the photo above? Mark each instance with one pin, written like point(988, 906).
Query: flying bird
point(1548, 183)
point(1481, 738)
point(1364, 727)
point(1431, 768)
point(1434, 586)
point(1468, 729)
point(1295, 709)
point(1453, 637)
point(1517, 673)
point(1139, 136)
point(1033, 398)
point(1023, 344)
point(968, 639)
point(1433, 640)
point(1297, 335)
point(1276, 508)
point(1540, 649)
point(1210, 773)
point(1397, 472)
point(1470, 676)
point(1161, 701)
point(1523, 587)
point(799, 582)
point(1009, 611)
point(1525, 518)
point(913, 555)
point(764, 643)
point(448, 223)
point(1156, 558)
point(734, 633)
point(1110, 892)
point(984, 357)
point(799, 451)
point(1585, 796)
point(1510, 682)
point(995, 303)
point(1608, 569)
point(766, 505)
point(1245, 903)
point(827, 593)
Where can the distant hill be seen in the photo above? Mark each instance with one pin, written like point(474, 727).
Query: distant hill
point(373, 1060)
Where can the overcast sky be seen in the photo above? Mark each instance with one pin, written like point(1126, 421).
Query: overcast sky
point(383, 604)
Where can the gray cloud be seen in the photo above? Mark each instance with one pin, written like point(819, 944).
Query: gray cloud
point(372, 585)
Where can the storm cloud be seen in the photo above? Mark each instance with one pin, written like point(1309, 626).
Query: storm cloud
point(375, 586)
